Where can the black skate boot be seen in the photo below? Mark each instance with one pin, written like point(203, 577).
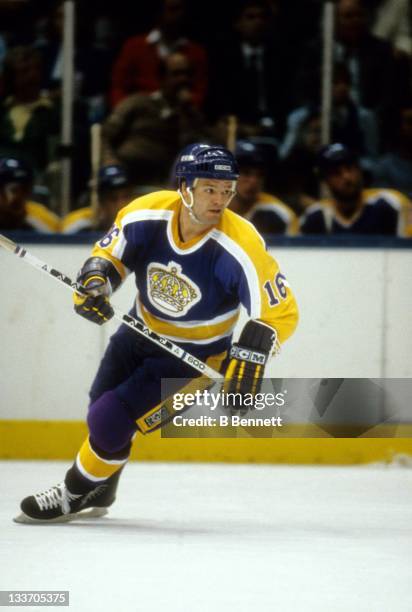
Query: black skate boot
point(59, 504)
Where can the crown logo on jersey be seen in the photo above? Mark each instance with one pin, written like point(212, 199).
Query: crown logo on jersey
point(171, 291)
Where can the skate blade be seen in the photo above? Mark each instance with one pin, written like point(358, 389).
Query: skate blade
point(66, 518)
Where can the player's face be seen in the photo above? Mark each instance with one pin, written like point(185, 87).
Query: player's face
point(250, 184)
point(12, 204)
point(345, 181)
point(111, 203)
point(211, 197)
point(252, 24)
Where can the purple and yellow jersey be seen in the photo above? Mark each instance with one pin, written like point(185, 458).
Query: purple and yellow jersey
point(80, 220)
point(191, 292)
point(383, 212)
point(41, 219)
point(272, 216)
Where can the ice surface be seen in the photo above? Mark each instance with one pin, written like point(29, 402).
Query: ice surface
point(198, 537)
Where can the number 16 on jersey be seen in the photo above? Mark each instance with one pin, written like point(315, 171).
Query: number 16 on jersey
point(276, 290)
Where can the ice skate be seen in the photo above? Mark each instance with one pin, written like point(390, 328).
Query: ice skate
point(58, 505)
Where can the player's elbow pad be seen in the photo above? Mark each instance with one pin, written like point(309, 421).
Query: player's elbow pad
point(98, 266)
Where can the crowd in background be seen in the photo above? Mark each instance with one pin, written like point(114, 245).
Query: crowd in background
point(158, 78)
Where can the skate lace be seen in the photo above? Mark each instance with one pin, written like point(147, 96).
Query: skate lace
point(55, 497)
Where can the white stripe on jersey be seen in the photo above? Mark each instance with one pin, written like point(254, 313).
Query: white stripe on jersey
point(387, 196)
point(189, 324)
point(119, 246)
point(132, 217)
point(38, 225)
point(180, 251)
point(180, 340)
point(78, 226)
point(273, 207)
point(236, 251)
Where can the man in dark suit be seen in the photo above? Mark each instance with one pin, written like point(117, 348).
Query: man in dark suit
point(247, 70)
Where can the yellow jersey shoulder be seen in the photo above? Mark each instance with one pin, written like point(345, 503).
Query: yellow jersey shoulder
point(157, 200)
point(393, 196)
point(269, 198)
point(269, 202)
point(42, 218)
point(240, 230)
point(77, 220)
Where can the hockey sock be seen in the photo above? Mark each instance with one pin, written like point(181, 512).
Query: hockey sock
point(93, 465)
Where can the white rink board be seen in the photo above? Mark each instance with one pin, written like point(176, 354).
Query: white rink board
point(355, 307)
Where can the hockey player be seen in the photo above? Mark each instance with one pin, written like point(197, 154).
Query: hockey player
point(114, 191)
point(351, 209)
point(267, 213)
point(17, 210)
point(195, 263)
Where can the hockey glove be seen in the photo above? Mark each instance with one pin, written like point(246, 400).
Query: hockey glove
point(248, 358)
point(94, 277)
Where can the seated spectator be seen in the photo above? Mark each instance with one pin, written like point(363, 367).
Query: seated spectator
point(267, 213)
point(145, 131)
point(137, 66)
point(28, 118)
point(351, 209)
point(297, 181)
point(351, 124)
point(248, 77)
point(17, 211)
point(114, 191)
point(394, 168)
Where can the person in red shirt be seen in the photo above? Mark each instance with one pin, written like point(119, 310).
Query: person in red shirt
point(137, 66)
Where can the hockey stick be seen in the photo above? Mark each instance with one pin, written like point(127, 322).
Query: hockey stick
point(164, 412)
point(128, 320)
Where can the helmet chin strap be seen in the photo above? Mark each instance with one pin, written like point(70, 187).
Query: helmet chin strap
point(189, 205)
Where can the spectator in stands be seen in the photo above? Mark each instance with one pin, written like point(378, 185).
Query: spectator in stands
point(28, 118)
point(264, 210)
point(248, 72)
point(380, 78)
point(114, 191)
point(351, 209)
point(145, 131)
point(137, 66)
point(351, 124)
point(297, 183)
point(394, 168)
point(17, 211)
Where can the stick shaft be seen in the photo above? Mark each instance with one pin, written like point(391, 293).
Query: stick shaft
point(127, 319)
